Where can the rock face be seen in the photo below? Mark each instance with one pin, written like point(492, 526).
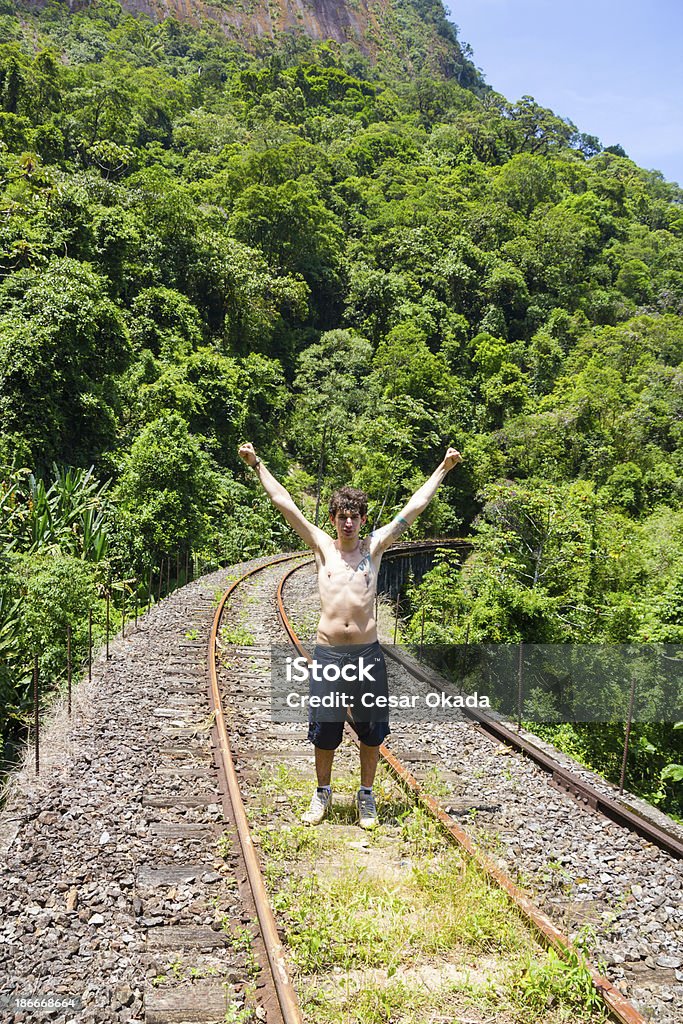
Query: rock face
point(341, 20)
point(412, 34)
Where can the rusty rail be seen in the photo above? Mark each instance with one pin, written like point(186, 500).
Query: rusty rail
point(286, 995)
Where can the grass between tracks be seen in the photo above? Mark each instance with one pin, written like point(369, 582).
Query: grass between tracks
point(397, 926)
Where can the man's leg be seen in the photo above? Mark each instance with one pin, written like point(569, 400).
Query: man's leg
point(369, 757)
point(329, 733)
point(323, 765)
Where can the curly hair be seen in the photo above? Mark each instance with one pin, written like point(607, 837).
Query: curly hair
point(349, 499)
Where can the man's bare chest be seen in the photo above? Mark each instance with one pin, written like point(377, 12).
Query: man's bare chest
point(355, 572)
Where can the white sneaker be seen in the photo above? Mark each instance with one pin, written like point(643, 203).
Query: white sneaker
point(318, 807)
point(367, 810)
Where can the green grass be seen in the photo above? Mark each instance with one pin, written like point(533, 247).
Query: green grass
point(397, 926)
point(354, 920)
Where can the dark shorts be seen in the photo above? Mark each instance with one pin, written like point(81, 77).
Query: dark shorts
point(326, 725)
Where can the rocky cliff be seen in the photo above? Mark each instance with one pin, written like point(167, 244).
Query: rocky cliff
point(412, 34)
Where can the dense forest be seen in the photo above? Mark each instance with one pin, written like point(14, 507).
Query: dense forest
point(295, 245)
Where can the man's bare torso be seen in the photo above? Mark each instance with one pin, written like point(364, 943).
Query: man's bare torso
point(347, 582)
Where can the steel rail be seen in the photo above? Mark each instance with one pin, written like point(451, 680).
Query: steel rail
point(285, 992)
point(616, 1003)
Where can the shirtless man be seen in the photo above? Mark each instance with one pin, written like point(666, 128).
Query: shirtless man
point(347, 581)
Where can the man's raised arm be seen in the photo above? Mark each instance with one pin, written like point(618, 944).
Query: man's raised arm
point(385, 536)
point(282, 499)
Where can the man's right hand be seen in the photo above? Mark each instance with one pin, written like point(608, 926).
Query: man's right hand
point(246, 452)
point(283, 501)
point(451, 459)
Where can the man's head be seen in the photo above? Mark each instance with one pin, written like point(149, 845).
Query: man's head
point(348, 511)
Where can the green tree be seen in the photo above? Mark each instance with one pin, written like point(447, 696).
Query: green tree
point(530, 577)
point(208, 390)
point(331, 392)
point(62, 341)
point(165, 492)
point(295, 230)
point(165, 321)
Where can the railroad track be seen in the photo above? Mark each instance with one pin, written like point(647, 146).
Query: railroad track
point(147, 925)
point(614, 999)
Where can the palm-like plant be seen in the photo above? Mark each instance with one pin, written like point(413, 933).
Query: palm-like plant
point(68, 516)
point(10, 508)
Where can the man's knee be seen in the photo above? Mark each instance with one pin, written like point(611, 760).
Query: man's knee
point(372, 734)
point(325, 735)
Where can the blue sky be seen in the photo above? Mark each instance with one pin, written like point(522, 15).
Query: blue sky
point(613, 67)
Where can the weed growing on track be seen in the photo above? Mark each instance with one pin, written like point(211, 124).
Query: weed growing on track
point(557, 876)
point(354, 920)
point(305, 625)
point(237, 635)
point(433, 784)
point(219, 591)
point(178, 971)
point(239, 938)
point(238, 1013)
point(397, 925)
point(289, 843)
point(557, 979)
